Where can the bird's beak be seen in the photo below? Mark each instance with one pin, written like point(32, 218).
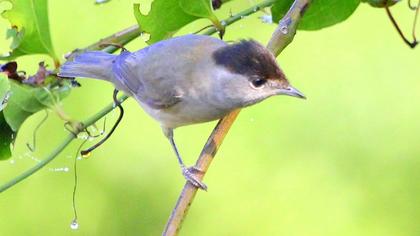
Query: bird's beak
point(291, 91)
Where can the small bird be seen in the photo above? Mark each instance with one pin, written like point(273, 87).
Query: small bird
point(187, 80)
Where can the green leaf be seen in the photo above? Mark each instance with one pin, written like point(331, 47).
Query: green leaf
point(381, 3)
point(320, 13)
point(4, 91)
point(166, 17)
point(200, 8)
point(26, 100)
point(30, 28)
point(6, 138)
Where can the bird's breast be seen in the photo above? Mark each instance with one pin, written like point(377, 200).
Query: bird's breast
point(188, 111)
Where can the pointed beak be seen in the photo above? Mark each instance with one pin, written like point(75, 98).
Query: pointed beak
point(291, 91)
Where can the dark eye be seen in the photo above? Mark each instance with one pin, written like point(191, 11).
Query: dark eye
point(258, 83)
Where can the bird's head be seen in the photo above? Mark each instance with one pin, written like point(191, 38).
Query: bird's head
point(251, 74)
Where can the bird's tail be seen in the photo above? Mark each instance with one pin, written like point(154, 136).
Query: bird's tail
point(94, 64)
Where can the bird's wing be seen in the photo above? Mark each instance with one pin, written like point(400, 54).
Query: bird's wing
point(156, 92)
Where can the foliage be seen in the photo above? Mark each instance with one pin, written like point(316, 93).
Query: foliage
point(24, 101)
point(177, 13)
point(29, 29)
point(320, 14)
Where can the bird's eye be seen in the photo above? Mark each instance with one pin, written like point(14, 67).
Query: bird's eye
point(258, 83)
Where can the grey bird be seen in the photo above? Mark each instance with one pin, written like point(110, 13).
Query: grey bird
point(187, 80)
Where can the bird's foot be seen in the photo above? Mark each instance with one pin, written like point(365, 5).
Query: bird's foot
point(190, 175)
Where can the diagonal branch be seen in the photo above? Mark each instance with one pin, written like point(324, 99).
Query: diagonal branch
point(282, 36)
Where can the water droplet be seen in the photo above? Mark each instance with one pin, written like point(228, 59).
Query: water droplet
point(284, 29)
point(145, 36)
point(243, 17)
point(93, 129)
point(59, 169)
point(268, 19)
point(256, 9)
point(223, 23)
point(83, 136)
point(30, 156)
point(74, 225)
point(86, 155)
point(101, 1)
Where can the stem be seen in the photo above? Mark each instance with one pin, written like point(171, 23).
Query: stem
point(123, 37)
point(38, 166)
point(241, 15)
point(415, 21)
point(282, 36)
point(394, 22)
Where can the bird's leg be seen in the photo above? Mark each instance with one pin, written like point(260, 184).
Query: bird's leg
point(188, 172)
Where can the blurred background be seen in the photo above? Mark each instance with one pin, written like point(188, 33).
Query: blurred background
point(346, 161)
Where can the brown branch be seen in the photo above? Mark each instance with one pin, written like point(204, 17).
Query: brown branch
point(282, 36)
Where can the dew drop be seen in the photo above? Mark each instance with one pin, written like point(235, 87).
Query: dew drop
point(267, 19)
point(59, 169)
point(101, 1)
point(74, 225)
point(86, 155)
point(223, 23)
point(145, 36)
point(82, 136)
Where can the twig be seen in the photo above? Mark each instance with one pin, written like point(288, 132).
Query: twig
point(282, 36)
point(241, 15)
point(394, 22)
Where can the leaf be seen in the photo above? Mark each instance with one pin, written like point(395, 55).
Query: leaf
point(26, 100)
point(381, 3)
point(200, 8)
point(4, 91)
point(30, 28)
point(320, 13)
point(6, 138)
point(166, 17)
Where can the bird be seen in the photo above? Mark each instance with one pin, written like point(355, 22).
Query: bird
point(187, 80)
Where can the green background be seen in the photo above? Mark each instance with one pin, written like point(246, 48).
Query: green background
point(344, 162)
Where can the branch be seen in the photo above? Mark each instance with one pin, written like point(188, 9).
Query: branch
point(282, 36)
point(241, 15)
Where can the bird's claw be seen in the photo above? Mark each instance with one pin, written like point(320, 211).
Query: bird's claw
point(190, 175)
